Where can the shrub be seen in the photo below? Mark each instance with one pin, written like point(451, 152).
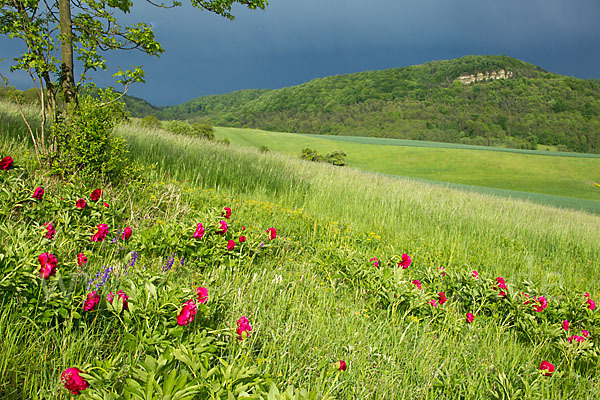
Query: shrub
point(84, 147)
point(150, 121)
point(200, 129)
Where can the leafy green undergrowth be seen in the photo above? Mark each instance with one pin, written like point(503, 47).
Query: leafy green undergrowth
point(313, 295)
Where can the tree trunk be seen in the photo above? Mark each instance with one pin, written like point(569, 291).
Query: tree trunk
point(66, 52)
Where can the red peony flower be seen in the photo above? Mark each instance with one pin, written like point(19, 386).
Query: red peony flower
point(187, 314)
point(100, 235)
point(242, 239)
point(243, 328)
point(48, 264)
point(72, 381)
point(475, 274)
point(565, 325)
point(273, 233)
point(591, 304)
point(81, 259)
point(106, 205)
point(80, 204)
point(50, 231)
point(417, 283)
point(500, 284)
point(230, 245)
point(199, 231)
point(375, 262)
point(578, 339)
point(126, 233)
point(223, 229)
point(122, 296)
point(202, 294)
point(443, 270)
point(341, 365)
point(227, 213)
point(432, 303)
point(6, 163)
point(546, 366)
point(585, 334)
point(243, 228)
point(442, 298)
point(91, 301)
point(406, 260)
point(96, 194)
point(470, 318)
point(38, 194)
point(542, 304)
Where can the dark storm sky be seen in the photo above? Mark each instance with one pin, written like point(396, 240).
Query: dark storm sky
point(294, 41)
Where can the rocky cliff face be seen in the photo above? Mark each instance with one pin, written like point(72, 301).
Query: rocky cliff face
point(487, 76)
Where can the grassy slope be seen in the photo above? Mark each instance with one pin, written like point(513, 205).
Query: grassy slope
point(303, 314)
point(528, 172)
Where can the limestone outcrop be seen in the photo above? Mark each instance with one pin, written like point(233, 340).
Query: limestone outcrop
point(487, 76)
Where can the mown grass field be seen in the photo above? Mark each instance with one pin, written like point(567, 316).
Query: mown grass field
point(312, 295)
point(557, 174)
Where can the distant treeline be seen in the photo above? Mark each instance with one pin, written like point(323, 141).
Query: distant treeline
point(423, 102)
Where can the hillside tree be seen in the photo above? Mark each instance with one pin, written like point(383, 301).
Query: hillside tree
point(58, 32)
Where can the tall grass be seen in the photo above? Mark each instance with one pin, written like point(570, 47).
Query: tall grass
point(458, 229)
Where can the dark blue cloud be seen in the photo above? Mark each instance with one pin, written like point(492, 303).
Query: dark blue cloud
point(294, 41)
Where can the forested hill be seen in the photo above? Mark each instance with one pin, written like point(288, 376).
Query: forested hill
point(487, 100)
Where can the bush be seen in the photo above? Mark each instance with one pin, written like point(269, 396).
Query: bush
point(84, 147)
point(203, 129)
point(150, 121)
point(337, 158)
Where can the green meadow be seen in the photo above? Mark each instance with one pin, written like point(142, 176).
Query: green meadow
point(313, 295)
point(567, 175)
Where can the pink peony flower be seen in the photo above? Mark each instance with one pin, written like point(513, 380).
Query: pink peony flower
point(591, 304)
point(243, 328)
point(405, 262)
point(475, 274)
point(96, 194)
point(417, 283)
point(80, 204)
point(375, 262)
point(272, 232)
point(341, 365)
point(500, 284)
point(542, 304)
point(122, 296)
point(100, 235)
point(50, 231)
point(227, 213)
point(187, 314)
point(126, 233)
point(48, 264)
point(38, 194)
point(565, 325)
point(470, 318)
point(230, 245)
point(442, 298)
point(6, 163)
point(578, 339)
point(91, 301)
point(199, 231)
point(433, 303)
point(202, 294)
point(223, 229)
point(242, 239)
point(72, 381)
point(585, 334)
point(81, 259)
point(546, 366)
